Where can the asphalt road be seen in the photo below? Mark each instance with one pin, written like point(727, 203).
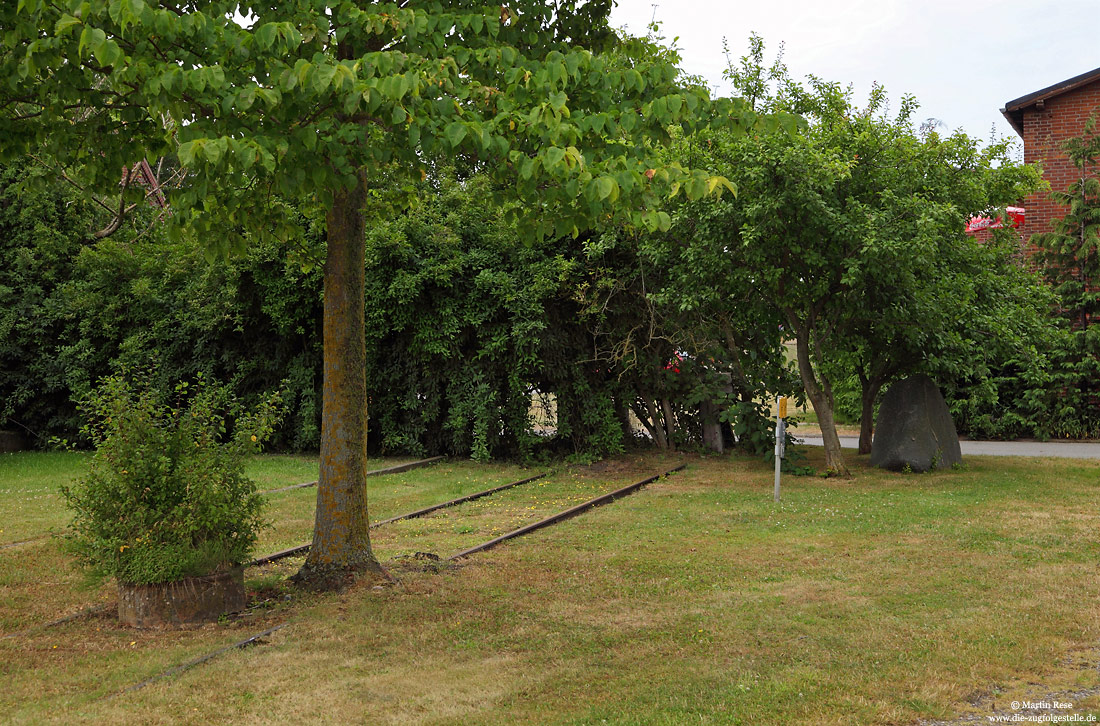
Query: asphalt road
point(1059, 449)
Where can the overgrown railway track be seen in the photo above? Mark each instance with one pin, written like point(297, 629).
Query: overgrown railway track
point(546, 522)
point(551, 520)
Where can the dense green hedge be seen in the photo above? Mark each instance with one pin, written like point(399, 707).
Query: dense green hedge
point(465, 322)
point(73, 311)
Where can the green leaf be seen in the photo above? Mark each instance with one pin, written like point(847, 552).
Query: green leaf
point(399, 115)
point(216, 76)
point(527, 168)
point(553, 157)
point(91, 37)
point(108, 53)
point(455, 133)
point(267, 159)
point(270, 96)
point(189, 151)
point(265, 35)
point(605, 187)
point(64, 23)
point(288, 80)
point(557, 100)
point(322, 77)
point(186, 153)
point(215, 150)
point(696, 188)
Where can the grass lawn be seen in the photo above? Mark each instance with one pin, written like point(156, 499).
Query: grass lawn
point(883, 599)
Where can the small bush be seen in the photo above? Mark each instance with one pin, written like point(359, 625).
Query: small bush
point(166, 496)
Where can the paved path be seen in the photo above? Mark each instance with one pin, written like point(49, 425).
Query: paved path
point(1059, 449)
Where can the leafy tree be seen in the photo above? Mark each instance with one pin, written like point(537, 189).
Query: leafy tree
point(463, 316)
point(682, 323)
point(854, 233)
point(937, 301)
point(341, 106)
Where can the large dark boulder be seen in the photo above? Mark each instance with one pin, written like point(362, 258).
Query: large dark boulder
point(914, 428)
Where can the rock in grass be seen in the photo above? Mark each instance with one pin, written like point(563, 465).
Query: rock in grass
point(914, 428)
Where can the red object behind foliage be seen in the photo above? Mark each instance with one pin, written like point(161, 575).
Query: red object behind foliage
point(1015, 215)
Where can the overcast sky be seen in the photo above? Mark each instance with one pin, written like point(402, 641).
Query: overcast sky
point(962, 59)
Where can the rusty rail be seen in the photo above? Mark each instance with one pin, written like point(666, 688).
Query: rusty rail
point(376, 472)
point(83, 612)
point(253, 640)
point(9, 545)
point(292, 551)
point(561, 516)
point(460, 500)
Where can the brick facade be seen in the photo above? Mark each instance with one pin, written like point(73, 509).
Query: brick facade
point(1044, 119)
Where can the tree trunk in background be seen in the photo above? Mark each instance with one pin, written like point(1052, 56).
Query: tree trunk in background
point(644, 419)
point(712, 429)
point(823, 407)
point(670, 424)
point(623, 414)
point(869, 389)
point(341, 542)
point(658, 428)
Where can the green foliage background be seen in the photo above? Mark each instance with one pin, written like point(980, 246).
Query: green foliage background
point(466, 320)
point(72, 312)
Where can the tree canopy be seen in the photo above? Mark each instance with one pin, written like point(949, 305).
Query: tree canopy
point(852, 235)
point(341, 106)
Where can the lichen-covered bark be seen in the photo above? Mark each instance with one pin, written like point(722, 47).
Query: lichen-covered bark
point(341, 540)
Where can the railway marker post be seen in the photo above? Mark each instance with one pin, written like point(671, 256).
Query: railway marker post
point(780, 438)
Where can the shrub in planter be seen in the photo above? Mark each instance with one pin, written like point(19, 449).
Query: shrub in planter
point(166, 508)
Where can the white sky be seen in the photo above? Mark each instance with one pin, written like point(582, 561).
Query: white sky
point(962, 59)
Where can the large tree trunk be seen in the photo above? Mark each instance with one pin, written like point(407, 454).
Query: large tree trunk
point(341, 543)
point(822, 402)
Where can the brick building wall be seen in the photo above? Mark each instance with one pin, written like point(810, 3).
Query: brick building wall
point(1044, 120)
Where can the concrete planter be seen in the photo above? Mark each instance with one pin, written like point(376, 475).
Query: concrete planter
point(190, 601)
